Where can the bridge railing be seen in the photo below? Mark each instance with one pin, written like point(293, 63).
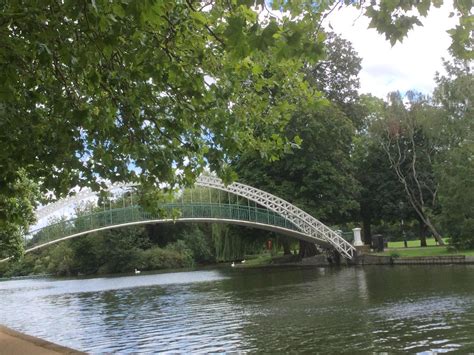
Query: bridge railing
point(173, 211)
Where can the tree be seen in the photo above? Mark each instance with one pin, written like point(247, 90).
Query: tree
point(17, 204)
point(317, 176)
point(404, 135)
point(455, 168)
point(104, 90)
point(381, 192)
point(387, 17)
point(141, 90)
point(382, 198)
point(337, 76)
point(455, 93)
point(457, 195)
point(90, 89)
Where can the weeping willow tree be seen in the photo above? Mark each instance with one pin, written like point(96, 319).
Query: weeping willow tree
point(236, 243)
point(228, 246)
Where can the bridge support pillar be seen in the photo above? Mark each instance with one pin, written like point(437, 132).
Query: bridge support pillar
point(357, 239)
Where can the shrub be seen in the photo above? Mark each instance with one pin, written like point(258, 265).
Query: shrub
point(173, 256)
point(199, 245)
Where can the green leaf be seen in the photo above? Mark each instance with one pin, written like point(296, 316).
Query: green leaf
point(423, 7)
point(199, 17)
point(118, 10)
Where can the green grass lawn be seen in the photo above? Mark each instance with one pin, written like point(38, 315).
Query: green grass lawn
point(260, 260)
point(414, 249)
point(264, 259)
point(427, 251)
point(394, 248)
point(414, 243)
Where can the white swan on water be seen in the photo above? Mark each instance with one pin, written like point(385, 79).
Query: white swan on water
point(137, 272)
point(233, 264)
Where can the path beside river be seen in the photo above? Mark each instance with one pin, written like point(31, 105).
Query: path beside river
point(13, 342)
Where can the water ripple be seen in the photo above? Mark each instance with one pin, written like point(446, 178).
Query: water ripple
point(269, 311)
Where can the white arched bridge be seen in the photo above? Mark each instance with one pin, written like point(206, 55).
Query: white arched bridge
point(214, 202)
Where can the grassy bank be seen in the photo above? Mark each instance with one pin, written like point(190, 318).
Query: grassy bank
point(431, 242)
point(427, 251)
point(414, 249)
point(257, 260)
point(267, 259)
point(394, 250)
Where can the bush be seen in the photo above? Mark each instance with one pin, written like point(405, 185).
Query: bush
point(4, 267)
point(172, 257)
point(22, 267)
point(199, 245)
point(462, 234)
point(463, 242)
point(61, 260)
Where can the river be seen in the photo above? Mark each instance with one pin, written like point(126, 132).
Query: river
point(414, 309)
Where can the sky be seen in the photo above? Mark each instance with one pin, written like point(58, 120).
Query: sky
point(410, 65)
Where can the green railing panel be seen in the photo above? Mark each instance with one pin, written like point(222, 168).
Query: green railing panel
point(132, 214)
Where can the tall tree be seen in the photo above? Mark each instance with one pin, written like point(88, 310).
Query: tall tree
point(381, 192)
point(317, 175)
point(382, 198)
point(411, 150)
point(337, 76)
point(455, 168)
point(456, 194)
point(16, 213)
point(455, 93)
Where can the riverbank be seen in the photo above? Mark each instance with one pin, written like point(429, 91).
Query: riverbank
point(424, 251)
point(13, 342)
point(363, 259)
point(372, 259)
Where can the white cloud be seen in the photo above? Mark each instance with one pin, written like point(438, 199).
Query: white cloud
point(409, 65)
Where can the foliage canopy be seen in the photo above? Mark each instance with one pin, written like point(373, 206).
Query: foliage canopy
point(155, 90)
point(103, 90)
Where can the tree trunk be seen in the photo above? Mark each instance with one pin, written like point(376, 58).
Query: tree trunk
point(419, 209)
point(367, 231)
point(307, 249)
point(423, 241)
point(422, 232)
point(433, 230)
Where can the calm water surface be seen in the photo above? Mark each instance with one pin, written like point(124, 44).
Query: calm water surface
point(372, 309)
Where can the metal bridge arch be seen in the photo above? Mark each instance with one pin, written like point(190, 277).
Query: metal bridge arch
point(307, 225)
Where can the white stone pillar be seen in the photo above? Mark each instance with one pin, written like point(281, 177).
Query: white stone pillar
point(357, 239)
